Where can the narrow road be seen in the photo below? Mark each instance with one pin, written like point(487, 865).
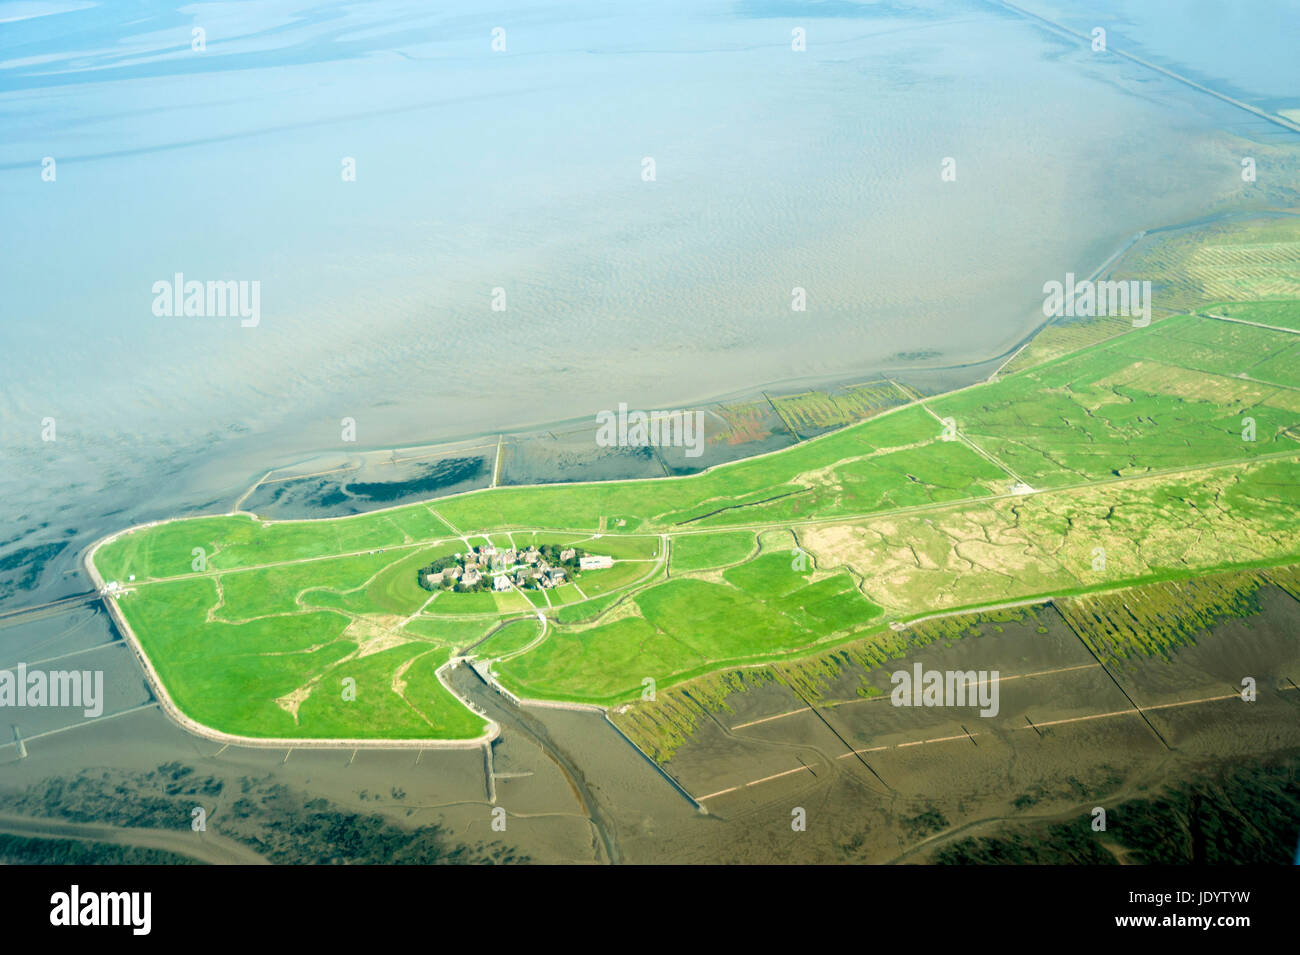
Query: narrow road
point(1242, 321)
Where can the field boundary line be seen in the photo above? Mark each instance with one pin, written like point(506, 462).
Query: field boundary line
point(1242, 321)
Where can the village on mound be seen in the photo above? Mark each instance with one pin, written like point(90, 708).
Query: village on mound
point(533, 568)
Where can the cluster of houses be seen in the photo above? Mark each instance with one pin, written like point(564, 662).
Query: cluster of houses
point(502, 569)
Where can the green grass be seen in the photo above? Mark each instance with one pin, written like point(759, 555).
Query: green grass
point(236, 541)
point(252, 593)
point(598, 583)
point(617, 546)
point(1064, 337)
point(588, 609)
point(396, 589)
point(1158, 399)
point(511, 638)
point(733, 493)
point(483, 601)
point(604, 664)
point(1283, 367)
point(687, 624)
point(423, 709)
point(829, 605)
point(449, 630)
point(897, 523)
point(450, 719)
point(701, 551)
point(219, 673)
point(1281, 314)
point(1203, 344)
point(228, 675)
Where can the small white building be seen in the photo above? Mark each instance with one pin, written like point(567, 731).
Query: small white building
point(595, 562)
point(500, 582)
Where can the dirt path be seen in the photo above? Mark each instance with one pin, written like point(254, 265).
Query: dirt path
point(206, 846)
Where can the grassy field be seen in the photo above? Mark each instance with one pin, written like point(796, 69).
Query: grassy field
point(1063, 338)
point(282, 675)
point(701, 551)
point(1070, 542)
point(1152, 456)
point(1226, 261)
point(688, 625)
point(1283, 314)
point(1170, 396)
point(510, 639)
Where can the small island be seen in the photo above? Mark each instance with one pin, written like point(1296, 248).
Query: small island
point(530, 568)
